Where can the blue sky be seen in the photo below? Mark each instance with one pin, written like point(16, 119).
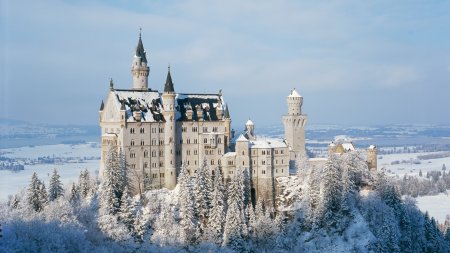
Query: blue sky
point(354, 62)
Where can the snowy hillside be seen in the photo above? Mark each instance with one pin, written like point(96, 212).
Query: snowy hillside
point(340, 207)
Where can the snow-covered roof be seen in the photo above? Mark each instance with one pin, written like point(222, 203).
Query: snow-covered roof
point(150, 105)
point(348, 146)
point(372, 147)
point(241, 138)
point(294, 93)
point(229, 154)
point(263, 142)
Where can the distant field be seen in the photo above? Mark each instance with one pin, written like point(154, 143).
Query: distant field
point(12, 182)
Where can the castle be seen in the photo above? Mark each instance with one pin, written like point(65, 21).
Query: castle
point(159, 131)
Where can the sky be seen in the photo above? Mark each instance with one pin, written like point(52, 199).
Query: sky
point(355, 62)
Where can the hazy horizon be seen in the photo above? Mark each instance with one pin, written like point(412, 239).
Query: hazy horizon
point(355, 63)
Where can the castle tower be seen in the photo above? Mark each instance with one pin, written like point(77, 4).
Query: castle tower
point(168, 101)
point(372, 158)
point(139, 69)
point(250, 129)
point(294, 125)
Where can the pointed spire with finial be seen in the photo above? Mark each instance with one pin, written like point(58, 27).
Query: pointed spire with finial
point(111, 84)
point(168, 87)
point(227, 112)
point(140, 52)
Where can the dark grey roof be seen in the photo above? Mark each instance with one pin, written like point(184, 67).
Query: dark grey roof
point(227, 112)
point(168, 87)
point(140, 52)
point(202, 106)
point(102, 106)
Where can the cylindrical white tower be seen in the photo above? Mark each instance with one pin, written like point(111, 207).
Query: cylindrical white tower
point(139, 68)
point(168, 101)
point(294, 125)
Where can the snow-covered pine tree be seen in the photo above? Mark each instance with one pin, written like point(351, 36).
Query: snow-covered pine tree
point(235, 229)
point(84, 183)
point(34, 194)
point(216, 220)
point(331, 194)
point(252, 222)
point(165, 229)
point(74, 194)
point(245, 174)
point(55, 189)
point(188, 223)
point(201, 196)
point(312, 196)
point(43, 194)
point(111, 186)
point(138, 227)
point(126, 212)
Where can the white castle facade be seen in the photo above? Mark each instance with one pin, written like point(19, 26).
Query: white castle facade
point(158, 132)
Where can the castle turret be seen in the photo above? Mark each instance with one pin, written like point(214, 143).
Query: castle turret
point(294, 125)
point(168, 98)
point(139, 69)
point(372, 158)
point(250, 129)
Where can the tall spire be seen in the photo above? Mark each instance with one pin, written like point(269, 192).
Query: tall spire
point(140, 52)
point(168, 87)
point(139, 68)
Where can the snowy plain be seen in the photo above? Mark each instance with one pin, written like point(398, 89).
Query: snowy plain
point(13, 182)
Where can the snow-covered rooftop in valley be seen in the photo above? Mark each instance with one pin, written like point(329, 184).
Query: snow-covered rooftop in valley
point(294, 93)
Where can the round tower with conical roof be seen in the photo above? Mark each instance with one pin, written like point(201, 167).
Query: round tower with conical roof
point(139, 68)
point(294, 125)
point(168, 101)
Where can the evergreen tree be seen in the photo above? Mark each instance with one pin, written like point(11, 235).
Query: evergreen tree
point(252, 223)
point(165, 229)
point(74, 194)
point(126, 212)
point(34, 194)
point(43, 194)
point(139, 228)
point(188, 223)
point(84, 183)
point(55, 189)
point(235, 229)
point(216, 219)
point(331, 194)
point(313, 197)
point(201, 195)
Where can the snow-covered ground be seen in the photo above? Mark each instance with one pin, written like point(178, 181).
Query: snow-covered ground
point(12, 182)
point(437, 206)
point(59, 150)
point(410, 167)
